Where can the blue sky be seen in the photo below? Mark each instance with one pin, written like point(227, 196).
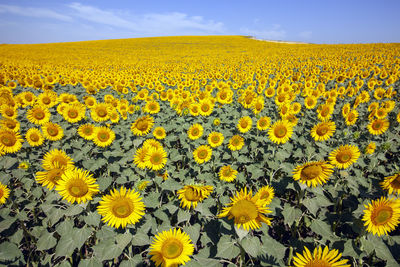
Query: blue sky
point(357, 21)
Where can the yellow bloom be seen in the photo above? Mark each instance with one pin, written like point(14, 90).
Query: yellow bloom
point(190, 195)
point(38, 115)
point(56, 158)
point(159, 133)
point(323, 130)
point(34, 137)
point(344, 156)
point(378, 126)
point(142, 125)
point(103, 136)
point(74, 112)
point(263, 123)
point(155, 159)
point(392, 184)
point(280, 132)
point(320, 257)
point(236, 143)
point(100, 112)
point(244, 124)
point(215, 139)
point(313, 173)
point(139, 157)
point(87, 131)
point(50, 178)
point(195, 131)
point(24, 165)
point(10, 142)
point(370, 149)
point(52, 131)
point(226, 173)
point(10, 124)
point(265, 193)
point(202, 154)
point(4, 193)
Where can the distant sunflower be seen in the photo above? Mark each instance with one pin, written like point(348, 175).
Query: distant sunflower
point(4, 193)
point(227, 173)
point(34, 137)
point(378, 126)
point(155, 159)
point(244, 124)
point(74, 113)
point(159, 133)
point(236, 143)
point(152, 143)
point(265, 193)
point(195, 131)
point(319, 258)
point(38, 115)
point(323, 130)
point(190, 195)
point(10, 142)
point(77, 185)
point(103, 136)
point(9, 112)
point(10, 124)
point(202, 154)
point(370, 149)
point(52, 131)
point(142, 125)
point(87, 131)
point(206, 107)
point(56, 158)
point(263, 123)
point(100, 112)
point(171, 248)
point(51, 177)
point(280, 132)
point(351, 117)
point(215, 139)
point(140, 156)
point(313, 173)
point(121, 207)
point(344, 156)
point(382, 216)
point(246, 210)
point(392, 184)
point(152, 107)
point(310, 102)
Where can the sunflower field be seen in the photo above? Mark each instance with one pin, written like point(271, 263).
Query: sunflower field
point(199, 151)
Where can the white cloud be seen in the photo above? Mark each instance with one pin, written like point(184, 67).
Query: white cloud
point(33, 12)
point(305, 35)
point(275, 33)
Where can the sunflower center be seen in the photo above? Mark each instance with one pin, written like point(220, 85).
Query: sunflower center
point(280, 131)
point(322, 130)
point(325, 112)
point(34, 137)
point(202, 154)
point(396, 182)
point(262, 123)
point(60, 160)
point(54, 175)
point(192, 194)
point(39, 114)
point(172, 249)
point(235, 141)
point(102, 112)
point(344, 156)
point(159, 133)
point(52, 131)
point(156, 159)
point(72, 114)
point(122, 208)
point(8, 140)
point(9, 113)
point(11, 125)
point(195, 132)
point(264, 195)
point(215, 139)
point(227, 172)
point(351, 117)
point(205, 108)
point(78, 188)
point(87, 131)
point(142, 125)
point(103, 136)
point(318, 263)
point(1, 193)
point(377, 125)
point(311, 172)
point(382, 215)
point(243, 124)
point(244, 211)
point(46, 100)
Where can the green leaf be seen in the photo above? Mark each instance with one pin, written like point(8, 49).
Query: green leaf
point(9, 251)
point(73, 210)
point(6, 223)
point(140, 239)
point(241, 232)
point(323, 229)
point(171, 185)
point(46, 241)
point(290, 214)
point(183, 215)
point(227, 249)
point(93, 219)
point(107, 250)
point(123, 240)
point(93, 262)
point(272, 247)
point(65, 246)
point(135, 261)
point(252, 246)
point(381, 249)
point(152, 200)
point(193, 231)
point(312, 205)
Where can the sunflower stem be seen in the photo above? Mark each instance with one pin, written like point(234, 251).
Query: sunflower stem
point(290, 257)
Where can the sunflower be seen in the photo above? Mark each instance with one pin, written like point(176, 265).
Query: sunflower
point(206, 107)
point(263, 123)
point(87, 131)
point(265, 193)
point(382, 216)
point(103, 136)
point(140, 156)
point(90, 101)
point(378, 126)
point(47, 99)
point(38, 115)
point(215, 139)
point(51, 177)
point(52, 131)
point(77, 185)
point(246, 210)
point(319, 257)
point(313, 173)
point(171, 248)
point(56, 158)
point(8, 112)
point(142, 125)
point(195, 131)
point(244, 124)
point(152, 107)
point(216, 122)
point(159, 133)
point(236, 143)
point(121, 207)
point(34, 137)
point(202, 154)
point(4, 193)
point(351, 117)
point(226, 173)
point(155, 159)
point(323, 130)
point(100, 112)
point(310, 102)
point(74, 113)
point(152, 143)
point(344, 156)
point(190, 195)
point(370, 149)
point(280, 132)
point(392, 184)
point(10, 124)
point(10, 142)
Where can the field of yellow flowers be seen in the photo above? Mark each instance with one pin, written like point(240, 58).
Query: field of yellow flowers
point(203, 151)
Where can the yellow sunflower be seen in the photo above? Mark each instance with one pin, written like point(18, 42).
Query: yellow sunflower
point(215, 139)
point(202, 154)
point(190, 195)
point(171, 248)
point(74, 113)
point(140, 156)
point(34, 137)
point(47, 99)
point(323, 130)
point(226, 173)
point(87, 131)
point(152, 143)
point(103, 136)
point(265, 193)
point(100, 112)
point(263, 123)
point(206, 107)
point(244, 124)
point(319, 258)
point(51, 177)
point(351, 117)
point(246, 210)
point(378, 126)
point(159, 133)
point(152, 107)
point(392, 184)
point(9, 112)
point(344, 156)
point(56, 158)
point(52, 131)
point(155, 159)
point(77, 185)
point(370, 149)
point(10, 142)
point(310, 102)
point(236, 143)
point(10, 124)
point(195, 131)
point(142, 125)
point(38, 115)
point(4, 193)
point(121, 207)
point(280, 132)
point(313, 173)
point(382, 216)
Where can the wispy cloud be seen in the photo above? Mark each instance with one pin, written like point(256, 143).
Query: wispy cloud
point(306, 35)
point(274, 33)
point(33, 12)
